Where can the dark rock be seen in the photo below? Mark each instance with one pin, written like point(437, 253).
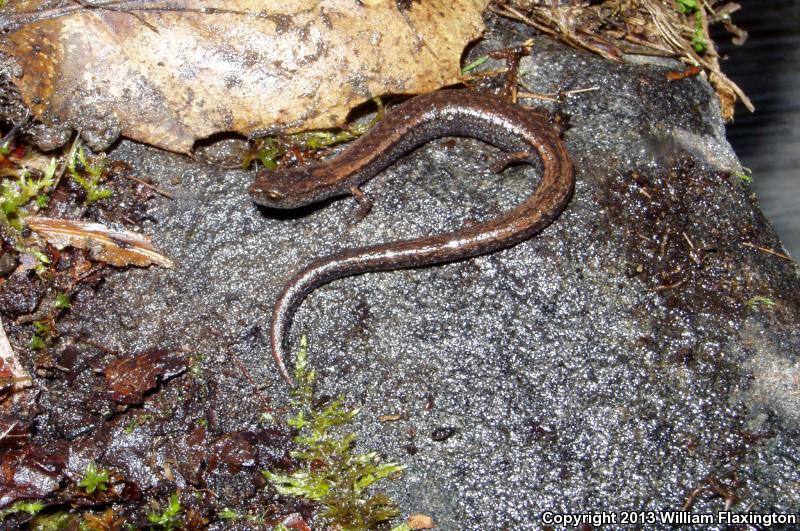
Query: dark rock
point(20, 294)
point(443, 433)
point(8, 262)
point(620, 359)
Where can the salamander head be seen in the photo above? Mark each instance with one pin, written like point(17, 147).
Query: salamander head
point(286, 188)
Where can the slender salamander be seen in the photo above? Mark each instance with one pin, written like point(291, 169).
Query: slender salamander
point(522, 133)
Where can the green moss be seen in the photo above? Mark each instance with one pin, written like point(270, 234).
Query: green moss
point(61, 302)
point(59, 521)
point(699, 38)
point(138, 420)
point(272, 149)
point(16, 199)
point(15, 195)
point(268, 153)
point(94, 479)
point(233, 516)
point(21, 507)
point(170, 517)
point(746, 176)
point(37, 342)
point(759, 301)
point(331, 472)
point(42, 331)
point(687, 7)
point(90, 174)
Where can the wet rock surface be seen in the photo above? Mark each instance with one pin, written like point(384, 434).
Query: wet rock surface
point(619, 360)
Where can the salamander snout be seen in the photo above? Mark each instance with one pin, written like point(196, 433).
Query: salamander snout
point(266, 194)
point(286, 188)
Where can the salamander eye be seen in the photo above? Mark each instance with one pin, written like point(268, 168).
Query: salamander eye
point(274, 195)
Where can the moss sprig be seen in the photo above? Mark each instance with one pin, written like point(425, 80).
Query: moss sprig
point(691, 7)
point(31, 508)
point(270, 150)
point(94, 479)
point(170, 517)
point(331, 472)
point(15, 195)
point(90, 174)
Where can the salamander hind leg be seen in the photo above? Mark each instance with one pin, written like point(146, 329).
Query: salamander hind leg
point(507, 159)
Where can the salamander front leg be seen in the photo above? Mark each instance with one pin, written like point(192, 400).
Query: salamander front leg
point(364, 204)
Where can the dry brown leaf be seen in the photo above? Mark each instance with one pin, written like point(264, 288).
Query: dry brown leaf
point(13, 375)
point(119, 248)
point(420, 521)
point(170, 73)
point(129, 378)
point(650, 27)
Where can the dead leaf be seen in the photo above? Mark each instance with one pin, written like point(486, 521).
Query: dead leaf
point(31, 472)
point(420, 521)
point(234, 450)
point(170, 73)
point(13, 376)
point(117, 247)
point(130, 378)
point(105, 521)
point(296, 522)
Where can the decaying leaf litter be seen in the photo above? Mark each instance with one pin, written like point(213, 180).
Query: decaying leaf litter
point(51, 263)
point(174, 73)
point(677, 29)
point(180, 131)
point(170, 74)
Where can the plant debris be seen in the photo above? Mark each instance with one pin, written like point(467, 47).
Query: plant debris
point(169, 73)
point(129, 378)
point(48, 263)
point(331, 473)
point(420, 521)
point(13, 376)
point(116, 247)
point(663, 28)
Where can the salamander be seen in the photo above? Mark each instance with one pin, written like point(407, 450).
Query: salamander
point(525, 135)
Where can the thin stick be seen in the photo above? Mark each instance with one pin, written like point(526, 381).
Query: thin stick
point(554, 96)
point(768, 251)
point(150, 185)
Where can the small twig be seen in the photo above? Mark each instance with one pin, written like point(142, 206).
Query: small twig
point(768, 251)
point(150, 185)
point(70, 154)
point(247, 377)
point(14, 130)
point(670, 286)
point(644, 192)
point(691, 497)
point(579, 91)
point(554, 96)
point(14, 21)
point(96, 7)
point(537, 96)
point(512, 13)
point(9, 430)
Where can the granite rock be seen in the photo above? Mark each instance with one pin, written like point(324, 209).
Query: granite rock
point(619, 360)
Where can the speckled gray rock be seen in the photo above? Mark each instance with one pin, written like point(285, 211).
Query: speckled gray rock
point(612, 362)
